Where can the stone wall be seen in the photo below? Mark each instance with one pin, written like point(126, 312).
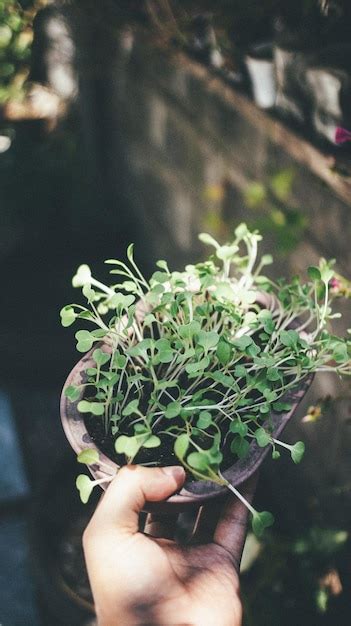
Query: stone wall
point(186, 159)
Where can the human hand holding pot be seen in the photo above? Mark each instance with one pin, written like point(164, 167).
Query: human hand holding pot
point(139, 579)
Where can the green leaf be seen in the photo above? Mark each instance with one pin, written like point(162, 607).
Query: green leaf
point(215, 456)
point(239, 371)
point(243, 342)
point(162, 265)
point(187, 331)
point(262, 437)
point(181, 445)
point(99, 333)
point(340, 353)
point(165, 384)
point(314, 273)
point(84, 406)
point(91, 371)
point(85, 486)
point(238, 428)
point(297, 451)
point(289, 338)
point(85, 315)
point(85, 340)
point(205, 420)
point(121, 301)
point(265, 318)
point(270, 395)
point(326, 274)
point(149, 319)
point(141, 427)
point(205, 238)
point(82, 276)
point(224, 253)
point(266, 259)
point(68, 316)
point(72, 393)
point(198, 460)
point(240, 447)
point(223, 379)
point(160, 277)
point(119, 360)
point(260, 521)
point(83, 335)
point(89, 293)
point(253, 350)
point(130, 252)
point(246, 296)
point(130, 408)
point(279, 407)
point(130, 285)
point(241, 231)
point(275, 455)
point(165, 356)
point(97, 408)
point(83, 346)
point(89, 456)
point(224, 291)
point(193, 368)
point(224, 352)
point(273, 374)
point(152, 442)
point(173, 409)
point(120, 444)
point(127, 445)
point(100, 357)
point(207, 339)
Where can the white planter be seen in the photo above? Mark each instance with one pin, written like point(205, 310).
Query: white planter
point(262, 75)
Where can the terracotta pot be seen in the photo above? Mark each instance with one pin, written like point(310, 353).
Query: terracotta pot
point(194, 492)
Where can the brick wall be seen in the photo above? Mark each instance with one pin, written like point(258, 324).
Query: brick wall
point(188, 158)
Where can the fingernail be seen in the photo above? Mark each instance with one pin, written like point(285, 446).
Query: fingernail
point(176, 471)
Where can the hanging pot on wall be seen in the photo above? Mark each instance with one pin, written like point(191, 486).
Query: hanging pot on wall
point(260, 66)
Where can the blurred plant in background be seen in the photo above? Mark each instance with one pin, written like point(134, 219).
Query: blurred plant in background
point(268, 206)
point(275, 212)
point(297, 578)
point(16, 36)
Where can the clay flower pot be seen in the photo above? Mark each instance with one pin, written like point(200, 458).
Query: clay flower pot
point(194, 492)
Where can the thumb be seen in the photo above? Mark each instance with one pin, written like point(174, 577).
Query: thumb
point(133, 486)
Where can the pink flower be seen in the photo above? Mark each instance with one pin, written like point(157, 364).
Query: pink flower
point(342, 135)
point(335, 283)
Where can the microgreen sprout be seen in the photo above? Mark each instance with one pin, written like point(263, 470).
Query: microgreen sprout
point(193, 364)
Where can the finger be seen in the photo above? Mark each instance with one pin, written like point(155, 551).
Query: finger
point(231, 528)
point(161, 525)
point(128, 492)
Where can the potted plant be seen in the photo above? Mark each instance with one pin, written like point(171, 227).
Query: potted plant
point(203, 367)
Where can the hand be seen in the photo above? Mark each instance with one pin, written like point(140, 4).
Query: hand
point(141, 580)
